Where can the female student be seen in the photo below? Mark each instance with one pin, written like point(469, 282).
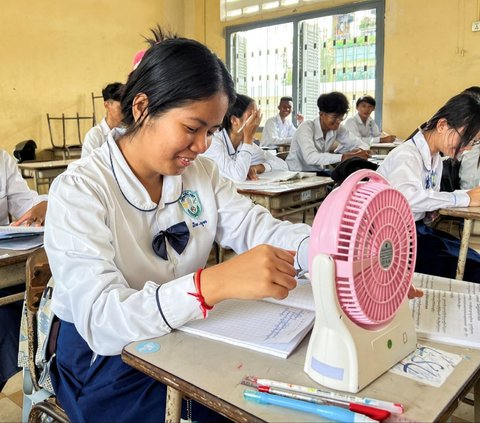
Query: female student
point(130, 227)
point(415, 168)
point(233, 148)
point(27, 208)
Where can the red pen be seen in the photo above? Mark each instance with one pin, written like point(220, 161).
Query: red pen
point(372, 412)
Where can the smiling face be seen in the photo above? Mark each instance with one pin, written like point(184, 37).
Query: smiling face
point(285, 108)
point(167, 144)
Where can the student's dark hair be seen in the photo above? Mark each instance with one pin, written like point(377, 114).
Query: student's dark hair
point(236, 109)
point(112, 91)
point(461, 111)
point(334, 102)
point(285, 98)
point(366, 99)
point(174, 72)
point(474, 90)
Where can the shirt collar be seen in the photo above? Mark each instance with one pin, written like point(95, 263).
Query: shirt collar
point(429, 162)
point(132, 189)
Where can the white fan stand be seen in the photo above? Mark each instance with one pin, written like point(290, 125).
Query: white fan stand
point(342, 355)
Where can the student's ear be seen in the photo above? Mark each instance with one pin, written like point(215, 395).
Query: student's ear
point(235, 121)
point(139, 106)
point(442, 125)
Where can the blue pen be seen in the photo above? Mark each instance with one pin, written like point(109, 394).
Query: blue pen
point(330, 412)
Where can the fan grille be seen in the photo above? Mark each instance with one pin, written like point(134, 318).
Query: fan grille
point(377, 242)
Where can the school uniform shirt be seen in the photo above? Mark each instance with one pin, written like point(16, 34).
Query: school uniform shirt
point(99, 230)
point(469, 168)
point(277, 132)
point(368, 132)
point(310, 151)
point(417, 174)
point(235, 164)
point(95, 137)
point(16, 197)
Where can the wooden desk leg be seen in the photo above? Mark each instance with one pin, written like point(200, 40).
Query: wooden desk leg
point(462, 256)
point(476, 401)
point(173, 411)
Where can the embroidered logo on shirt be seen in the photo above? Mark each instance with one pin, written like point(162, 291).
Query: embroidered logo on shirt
point(191, 204)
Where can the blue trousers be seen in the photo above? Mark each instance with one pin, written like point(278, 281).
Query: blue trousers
point(437, 254)
point(108, 390)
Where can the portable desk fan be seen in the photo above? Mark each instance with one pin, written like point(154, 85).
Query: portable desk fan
point(361, 259)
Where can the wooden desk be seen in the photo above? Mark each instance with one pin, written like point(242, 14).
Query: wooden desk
point(468, 214)
point(43, 173)
point(12, 272)
point(382, 147)
point(210, 372)
point(285, 198)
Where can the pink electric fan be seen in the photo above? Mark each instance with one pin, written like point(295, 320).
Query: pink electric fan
point(361, 261)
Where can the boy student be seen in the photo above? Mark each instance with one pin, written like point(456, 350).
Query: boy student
point(97, 135)
point(363, 126)
point(279, 130)
point(322, 141)
point(28, 208)
point(233, 148)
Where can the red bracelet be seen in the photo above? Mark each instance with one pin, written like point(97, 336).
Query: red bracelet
point(198, 295)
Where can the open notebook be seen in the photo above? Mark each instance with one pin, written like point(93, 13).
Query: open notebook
point(21, 237)
point(275, 176)
point(269, 326)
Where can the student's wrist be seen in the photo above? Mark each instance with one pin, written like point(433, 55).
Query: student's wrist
point(212, 292)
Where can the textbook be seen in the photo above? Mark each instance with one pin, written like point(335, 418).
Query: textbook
point(275, 176)
point(20, 231)
point(448, 312)
point(268, 326)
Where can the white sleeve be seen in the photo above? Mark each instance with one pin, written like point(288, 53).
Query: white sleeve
point(270, 134)
point(304, 137)
point(347, 140)
point(469, 169)
point(232, 167)
point(269, 161)
point(20, 198)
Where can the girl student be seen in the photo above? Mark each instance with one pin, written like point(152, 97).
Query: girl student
point(415, 168)
point(130, 228)
point(233, 148)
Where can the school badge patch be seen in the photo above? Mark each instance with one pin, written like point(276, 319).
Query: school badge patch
point(190, 204)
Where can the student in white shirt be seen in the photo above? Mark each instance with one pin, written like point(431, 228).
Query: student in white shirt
point(322, 141)
point(279, 129)
point(130, 227)
point(233, 148)
point(97, 135)
point(415, 169)
point(363, 126)
point(26, 207)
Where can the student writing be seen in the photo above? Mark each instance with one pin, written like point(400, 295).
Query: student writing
point(415, 168)
point(233, 148)
point(129, 226)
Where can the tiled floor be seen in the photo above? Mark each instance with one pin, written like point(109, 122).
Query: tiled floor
point(11, 395)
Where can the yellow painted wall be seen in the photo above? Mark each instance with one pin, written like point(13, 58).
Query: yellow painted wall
point(56, 52)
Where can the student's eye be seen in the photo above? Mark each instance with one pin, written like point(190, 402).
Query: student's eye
point(212, 131)
point(191, 130)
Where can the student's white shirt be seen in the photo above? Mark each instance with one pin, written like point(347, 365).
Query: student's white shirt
point(16, 197)
point(310, 151)
point(277, 132)
point(469, 168)
point(235, 164)
point(95, 137)
point(412, 170)
point(368, 132)
point(98, 237)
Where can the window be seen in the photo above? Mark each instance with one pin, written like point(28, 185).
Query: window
point(332, 50)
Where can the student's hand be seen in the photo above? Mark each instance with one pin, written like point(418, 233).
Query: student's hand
point(299, 118)
point(33, 217)
point(388, 138)
point(263, 271)
point(414, 293)
point(254, 171)
point(251, 126)
point(364, 154)
point(474, 195)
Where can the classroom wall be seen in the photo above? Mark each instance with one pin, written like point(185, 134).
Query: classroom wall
point(55, 53)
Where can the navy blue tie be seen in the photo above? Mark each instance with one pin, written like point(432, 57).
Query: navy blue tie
point(177, 236)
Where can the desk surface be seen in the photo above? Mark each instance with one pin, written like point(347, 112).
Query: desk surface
point(210, 372)
point(52, 164)
point(464, 212)
point(8, 257)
